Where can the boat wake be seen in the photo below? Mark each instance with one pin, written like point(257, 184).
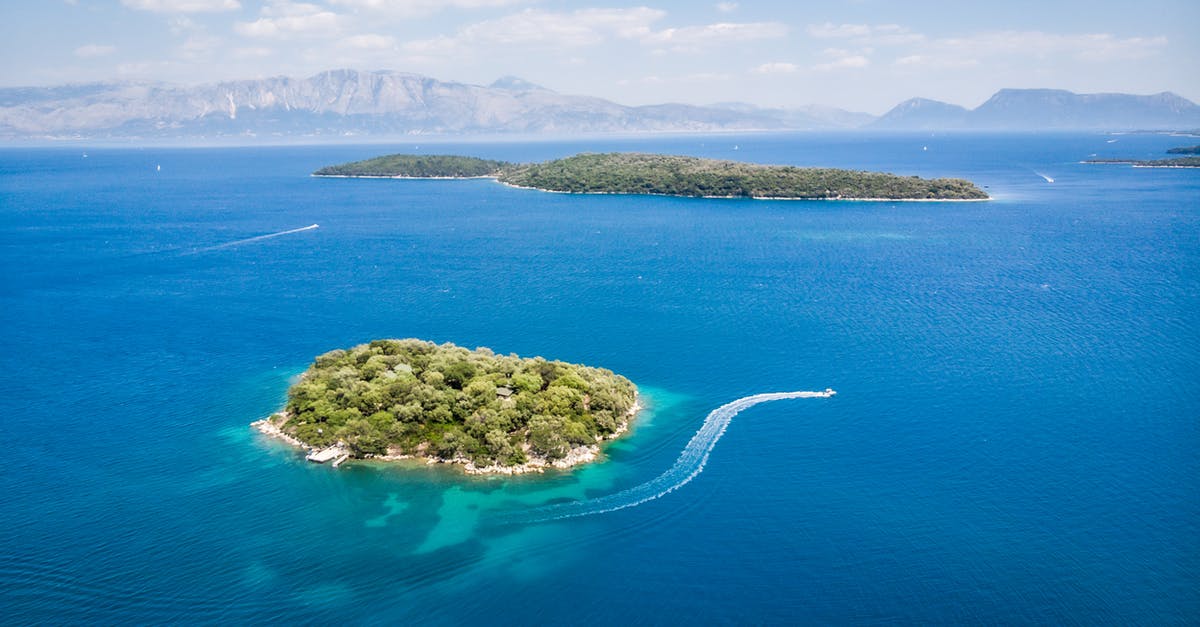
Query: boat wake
point(1048, 179)
point(691, 463)
point(255, 239)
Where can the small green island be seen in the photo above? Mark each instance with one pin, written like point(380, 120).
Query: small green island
point(413, 399)
point(1177, 162)
point(668, 175)
point(1171, 162)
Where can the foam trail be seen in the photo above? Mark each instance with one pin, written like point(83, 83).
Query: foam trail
point(1048, 179)
point(691, 463)
point(257, 238)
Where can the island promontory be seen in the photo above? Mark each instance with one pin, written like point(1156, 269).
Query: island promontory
point(669, 175)
point(1191, 161)
point(397, 399)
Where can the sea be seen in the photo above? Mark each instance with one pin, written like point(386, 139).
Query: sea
point(1015, 437)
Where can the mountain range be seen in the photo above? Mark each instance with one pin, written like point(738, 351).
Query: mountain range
point(350, 103)
point(1020, 109)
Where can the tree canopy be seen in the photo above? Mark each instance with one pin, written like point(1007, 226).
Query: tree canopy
point(417, 166)
point(640, 173)
point(447, 402)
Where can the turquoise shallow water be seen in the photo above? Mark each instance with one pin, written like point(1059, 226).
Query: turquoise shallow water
point(1014, 439)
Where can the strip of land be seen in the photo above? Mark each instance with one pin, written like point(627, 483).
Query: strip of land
point(1178, 162)
point(668, 175)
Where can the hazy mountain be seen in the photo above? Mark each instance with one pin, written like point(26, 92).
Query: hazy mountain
point(808, 117)
point(343, 103)
point(1047, 109)
point(923, 114)
point(348, 103)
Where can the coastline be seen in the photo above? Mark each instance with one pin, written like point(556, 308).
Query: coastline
point(1138, 164)
point(794, 198)
point(558, 191)
point(400, 176)
point(576, 456)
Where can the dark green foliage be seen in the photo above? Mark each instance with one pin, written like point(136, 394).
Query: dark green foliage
point(1185, 150)
point(416, 166)
point(413, 396)
point(1177, 162)
point(637, 173)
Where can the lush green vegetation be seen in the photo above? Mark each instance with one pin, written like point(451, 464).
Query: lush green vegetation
point(1177, 162)
point(416, 166)
point(638, 173)
point(1185, 150)
point(444, 401)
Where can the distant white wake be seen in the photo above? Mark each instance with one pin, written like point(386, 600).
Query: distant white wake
point(690, 463)
point(1048, 179)
point(257, 238)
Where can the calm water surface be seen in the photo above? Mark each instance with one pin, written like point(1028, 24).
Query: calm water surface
point(1015, 437)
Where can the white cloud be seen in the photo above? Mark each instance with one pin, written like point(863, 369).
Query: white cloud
point(840, 59)
point(935, 62)
point(727, 7)
point(692, 36)
point(777, 67)
point(423, 7)
point(583, 27)
point(1084, 47)
point(183, 6)
point(866, 34)
point(828, 30)
point(286, 20)
point(1023, 48)
point(90, 51)
point(587, 27)
point(856, 61)
point(199, 46)
point(252, 52)
point(978, 48)
point(369, 41)
point(698, 77)
point(181, 24)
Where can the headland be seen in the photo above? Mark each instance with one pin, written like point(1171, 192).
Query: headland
point(668, 175)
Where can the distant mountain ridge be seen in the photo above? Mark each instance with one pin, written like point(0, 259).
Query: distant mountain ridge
point(351, 103)
point(1046, 109)
point(355, 103)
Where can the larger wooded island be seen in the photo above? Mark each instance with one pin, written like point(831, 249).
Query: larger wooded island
point(669, 175)
point(396, 399)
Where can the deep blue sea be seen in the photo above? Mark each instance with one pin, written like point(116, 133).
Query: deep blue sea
point(1015, 438)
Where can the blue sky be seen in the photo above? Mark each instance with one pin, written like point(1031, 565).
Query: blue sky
point(864, 55)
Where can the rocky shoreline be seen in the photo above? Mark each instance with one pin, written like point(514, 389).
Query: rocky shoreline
point(574, 457)
point(798, 198)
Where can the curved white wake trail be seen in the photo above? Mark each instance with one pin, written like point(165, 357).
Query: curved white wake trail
point(257, 238)
point(691, 462)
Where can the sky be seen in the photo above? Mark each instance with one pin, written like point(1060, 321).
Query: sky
point(861, 55)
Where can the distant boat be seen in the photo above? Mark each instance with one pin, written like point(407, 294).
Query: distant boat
point(158, 168)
